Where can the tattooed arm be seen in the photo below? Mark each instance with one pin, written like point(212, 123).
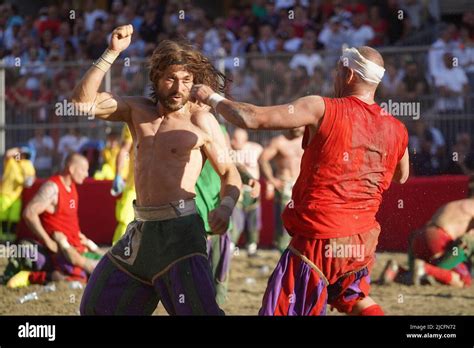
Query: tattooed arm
point(302, 112)
point(46, 198)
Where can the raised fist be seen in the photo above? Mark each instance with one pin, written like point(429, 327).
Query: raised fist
point(121, 38)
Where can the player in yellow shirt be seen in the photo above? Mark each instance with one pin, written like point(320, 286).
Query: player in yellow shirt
point(18, 173)
point(124, 206)
point(109, 155)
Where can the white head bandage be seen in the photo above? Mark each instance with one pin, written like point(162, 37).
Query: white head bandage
point(367, 70)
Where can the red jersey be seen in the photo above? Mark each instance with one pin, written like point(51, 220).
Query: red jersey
point(345, 169)
point(65, 219)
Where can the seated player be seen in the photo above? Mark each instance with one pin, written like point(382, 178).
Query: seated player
point(442, 250)
point(52, 216)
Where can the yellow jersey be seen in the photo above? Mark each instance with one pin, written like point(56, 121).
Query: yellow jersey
point(15, 173)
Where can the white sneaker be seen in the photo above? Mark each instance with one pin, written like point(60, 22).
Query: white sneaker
point(252, 249)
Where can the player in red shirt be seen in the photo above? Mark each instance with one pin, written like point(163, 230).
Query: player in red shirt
point(353, 150)
point(52, 216)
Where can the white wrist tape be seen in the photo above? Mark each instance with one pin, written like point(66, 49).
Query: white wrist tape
point(64, 243)
point(106, 60)
point(215, 99)
point(228, 202)
point(91, 245)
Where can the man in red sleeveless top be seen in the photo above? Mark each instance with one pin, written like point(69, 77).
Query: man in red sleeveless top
point(353, 150)
point(52, 216)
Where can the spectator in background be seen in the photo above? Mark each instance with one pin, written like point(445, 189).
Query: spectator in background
point(11, 11)
point(136, 47)
point(413, 85)
point(29, 44)
point(42, 99)
point(46, 41)
point(69, 52)
point(11, 59)
point(230, 63)
point(307, 58)
point(48, 20)
point(391, 81)
point(19, 96)
point(271, 15)
point(437, 50)
point(414, 9)
point(452, 84)
point(466, 55)
point(258, 9)
point(43, 146)
point(379, 26)
point(339, 10)
point(243, 87)
point(468, 22)
point(64, 38)
point(424, 162)
point(91, 15)
point(69, 143)
point(150, 26)
point(235, 20)
point(239, 48)
point(316, 83)
point(267, 42)
point(461, 159)
point(284, 4)
point(361, 33)
point(438, 143)
point(293, 41)
point(333, 36)
point(197, 38)
point(394, 23)
point(63, 90)
point(128, 16)
point(79, 29)
point(11, 36)
point(96, 40)
point(300, 21)
point(315, 16)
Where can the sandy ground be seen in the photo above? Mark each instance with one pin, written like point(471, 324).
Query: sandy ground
point(248, 281)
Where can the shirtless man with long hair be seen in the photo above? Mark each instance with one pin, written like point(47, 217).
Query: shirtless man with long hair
point(162, 255)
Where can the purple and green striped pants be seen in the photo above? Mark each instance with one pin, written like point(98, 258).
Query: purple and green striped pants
point(155, 261)
point(185, 289)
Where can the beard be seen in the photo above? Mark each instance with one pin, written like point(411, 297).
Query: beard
point(168, 102)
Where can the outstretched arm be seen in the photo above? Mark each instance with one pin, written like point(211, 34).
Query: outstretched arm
point(86, 95)
point(302, 112)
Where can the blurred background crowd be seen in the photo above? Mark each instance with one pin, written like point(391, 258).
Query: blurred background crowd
point(273, 51)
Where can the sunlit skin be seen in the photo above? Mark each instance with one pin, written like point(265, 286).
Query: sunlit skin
point(171, 138)
point(306, 111)
point(286, 151)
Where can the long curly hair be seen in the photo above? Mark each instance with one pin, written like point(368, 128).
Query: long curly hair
point(181, 53)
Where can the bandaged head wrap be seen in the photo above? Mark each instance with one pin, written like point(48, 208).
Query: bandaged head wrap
point(366, 69)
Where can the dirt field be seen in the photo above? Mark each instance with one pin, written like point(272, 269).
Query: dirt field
point(248, 281)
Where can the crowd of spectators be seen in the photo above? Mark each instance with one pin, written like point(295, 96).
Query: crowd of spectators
point(274, 51)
